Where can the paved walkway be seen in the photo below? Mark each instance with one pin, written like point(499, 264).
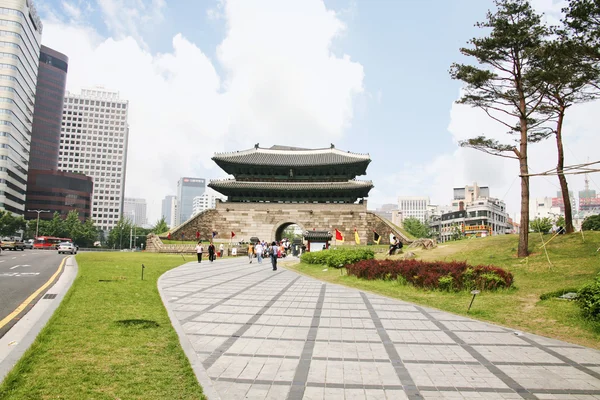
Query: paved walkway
point(254, 333)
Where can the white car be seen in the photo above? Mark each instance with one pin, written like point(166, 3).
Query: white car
point(67, 247)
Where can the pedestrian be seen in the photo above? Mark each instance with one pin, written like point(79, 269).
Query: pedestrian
point(199, 250)
point(250, 252)
point(221, 250)
point(258, 249)
point(274, 252)
point(211, 252)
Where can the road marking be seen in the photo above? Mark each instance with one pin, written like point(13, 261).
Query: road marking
point(24, 304)
point(2, 260)
point(17, 274)
point(14, 258)
point(17, 266)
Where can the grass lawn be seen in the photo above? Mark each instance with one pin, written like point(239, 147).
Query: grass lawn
point(108, 340)
point(574, 263)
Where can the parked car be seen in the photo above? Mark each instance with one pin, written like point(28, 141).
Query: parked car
point(67, 247)
point(12, 243)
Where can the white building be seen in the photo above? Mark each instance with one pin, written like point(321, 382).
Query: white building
point(414, 207)
point(93, 142)
point(21, 31)
point(206, 201)
point(543, 208)
point(473, 213)
point(135, 211)
point(169, 210)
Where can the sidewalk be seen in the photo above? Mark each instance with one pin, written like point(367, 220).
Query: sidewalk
point(254, 333)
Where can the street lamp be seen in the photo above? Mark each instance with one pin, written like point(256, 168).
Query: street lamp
point(37, 225)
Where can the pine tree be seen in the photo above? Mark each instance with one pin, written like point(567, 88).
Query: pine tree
point(499, 87)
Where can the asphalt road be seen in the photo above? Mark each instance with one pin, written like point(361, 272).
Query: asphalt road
point(21, 274)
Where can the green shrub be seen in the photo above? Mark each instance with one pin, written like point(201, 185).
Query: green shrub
point(337, 258)
point(446, 283)
point(589, 299)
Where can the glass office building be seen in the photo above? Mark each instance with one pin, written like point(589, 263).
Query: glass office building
point(187, 189)
point(20, 37)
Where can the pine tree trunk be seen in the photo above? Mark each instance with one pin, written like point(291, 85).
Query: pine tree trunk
point(561, 177)
point(523, 250)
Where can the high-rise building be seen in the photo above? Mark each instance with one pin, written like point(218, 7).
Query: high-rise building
point(169, 210)
point(135, 211)
point(414, 207)
point(206, 201)
point(21, 31)
point(47, 188)
point(93, 141)
point(47, 118)
point(187, 189)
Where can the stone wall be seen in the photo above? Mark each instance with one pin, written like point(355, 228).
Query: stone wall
point(264, 220)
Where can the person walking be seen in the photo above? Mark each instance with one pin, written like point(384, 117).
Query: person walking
point(274, 252)
point(221, 250)
point(259, 249)
point(250, 252)
point(211, 252)
point(199, 250)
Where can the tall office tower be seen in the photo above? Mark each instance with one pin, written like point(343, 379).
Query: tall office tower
point(135, 211)
point(169, 210)
point(21, 32)
point(93, 141)
point(414, 207)
point(187, 189)
point(47, 118)
point(47, 188)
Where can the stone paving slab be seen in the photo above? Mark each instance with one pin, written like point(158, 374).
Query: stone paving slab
point(254, 333)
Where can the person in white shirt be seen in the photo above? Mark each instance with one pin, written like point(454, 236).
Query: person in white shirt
point(199, 250)
point(221, 250)
point(258, 250)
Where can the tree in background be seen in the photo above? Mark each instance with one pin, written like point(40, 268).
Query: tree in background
point(9, 224)
point(83, 234)
point(500, 87)
point(591, 223)
point(416, 227)
point(160, 226)
point(119, 236)
point(543, 225)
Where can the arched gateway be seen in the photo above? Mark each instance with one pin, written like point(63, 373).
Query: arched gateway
point(279, 186)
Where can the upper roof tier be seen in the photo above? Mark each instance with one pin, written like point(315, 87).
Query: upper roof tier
point(290, 157)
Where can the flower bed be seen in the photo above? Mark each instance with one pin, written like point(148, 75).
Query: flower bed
point(337, 258)
point(450, 276)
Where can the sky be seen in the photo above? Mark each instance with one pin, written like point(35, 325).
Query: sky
point(369, 76)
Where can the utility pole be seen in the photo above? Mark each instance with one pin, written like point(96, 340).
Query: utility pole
point(37, 225)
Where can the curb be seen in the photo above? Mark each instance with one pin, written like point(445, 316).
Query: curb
point(201, 374)
point(20, 337)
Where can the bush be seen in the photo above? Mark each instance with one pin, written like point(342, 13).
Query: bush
point(589, 299)
point(450, 276)
point(337, 258)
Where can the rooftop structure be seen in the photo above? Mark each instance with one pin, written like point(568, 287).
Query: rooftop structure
point(293, 175)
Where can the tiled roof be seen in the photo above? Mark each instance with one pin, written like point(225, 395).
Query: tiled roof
point(291, 156)
point(297, 186)
point(317, 235)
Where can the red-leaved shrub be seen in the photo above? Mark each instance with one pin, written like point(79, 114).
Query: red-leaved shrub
point(454, 275)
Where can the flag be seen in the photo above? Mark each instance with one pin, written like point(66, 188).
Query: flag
point(169, 236)
point(232, 234)
point(338, 236)
point(197, 234)
point(182, 235)
point(214, 233)
point(376, 237)
point(356, 237)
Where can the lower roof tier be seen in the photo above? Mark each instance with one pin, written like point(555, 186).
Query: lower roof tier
point(320, 192)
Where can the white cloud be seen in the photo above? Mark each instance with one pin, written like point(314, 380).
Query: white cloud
point(282, 84)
